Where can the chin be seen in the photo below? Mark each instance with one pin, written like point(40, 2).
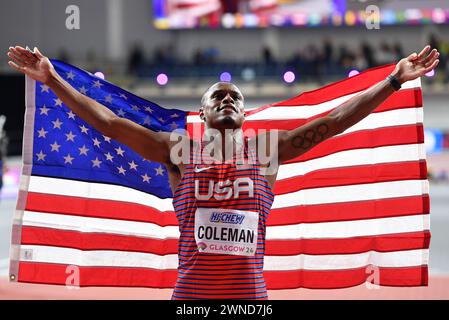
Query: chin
point(227, 121)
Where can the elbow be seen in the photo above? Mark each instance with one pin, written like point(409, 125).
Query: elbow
point(336, 124)
point(109, 127)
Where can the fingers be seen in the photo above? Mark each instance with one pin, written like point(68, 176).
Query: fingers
point(25, 53)
point(24, 59)
point(412, 57)
point(17, 67)
point(38, 53)
point(424, 52)
point(16, 59)
point(16, 53)
point(432, 66)
point(431, 57)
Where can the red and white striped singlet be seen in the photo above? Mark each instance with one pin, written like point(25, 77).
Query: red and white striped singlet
point(222, 208)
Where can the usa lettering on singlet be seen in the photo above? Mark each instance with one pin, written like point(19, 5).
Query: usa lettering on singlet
point(222, 210)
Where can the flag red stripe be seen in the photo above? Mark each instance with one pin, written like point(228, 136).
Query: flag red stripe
point(102, 241)
point(49, 273)
point(354, 210)
point(380, 243)
point(139, 277)
point(341, 88)
point(388, 136)
point(98, 208)
point(410, 170)
point(312, 279)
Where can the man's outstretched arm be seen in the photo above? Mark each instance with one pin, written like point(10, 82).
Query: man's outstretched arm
point(149, 144)
point(295, 142)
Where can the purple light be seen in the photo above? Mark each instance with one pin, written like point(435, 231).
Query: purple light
point(289, 77)
point(353, 73)
point(225, 77)
point(431, 73)
point(162, 79)
point(99, 74)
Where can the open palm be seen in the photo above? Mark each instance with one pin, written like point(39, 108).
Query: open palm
point(35, 65)
point(416, 65)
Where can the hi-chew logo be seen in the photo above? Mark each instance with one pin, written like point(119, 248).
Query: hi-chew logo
point(227, 217)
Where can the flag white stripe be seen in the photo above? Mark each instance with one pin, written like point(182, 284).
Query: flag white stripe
point(356, 157)
point(346, 229)
point(99, 225)
point(338, 194)
point(360, 192)
point(321, 230)
point(302, 111)
point(45, 254)
point(390, 118)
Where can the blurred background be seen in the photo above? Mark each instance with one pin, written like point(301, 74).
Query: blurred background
point(171, 51)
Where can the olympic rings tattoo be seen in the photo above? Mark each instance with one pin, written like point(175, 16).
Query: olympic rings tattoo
point(310, 137)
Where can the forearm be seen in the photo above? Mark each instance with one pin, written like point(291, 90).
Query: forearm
point(94, 113)
point(357, 108)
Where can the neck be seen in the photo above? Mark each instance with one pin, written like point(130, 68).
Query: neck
point(224, 143)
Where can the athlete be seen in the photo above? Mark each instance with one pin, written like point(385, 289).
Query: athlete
point(222, 199)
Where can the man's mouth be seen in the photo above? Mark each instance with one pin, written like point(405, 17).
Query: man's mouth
point(227, 106)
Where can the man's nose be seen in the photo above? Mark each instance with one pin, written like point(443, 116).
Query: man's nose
point(228, 98)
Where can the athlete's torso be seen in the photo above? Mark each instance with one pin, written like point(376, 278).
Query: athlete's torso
point(222, 210)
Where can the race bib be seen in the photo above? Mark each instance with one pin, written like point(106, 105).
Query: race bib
point(226, 231)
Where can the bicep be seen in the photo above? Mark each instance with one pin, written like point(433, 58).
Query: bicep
point(293, 143)
point(151, 145)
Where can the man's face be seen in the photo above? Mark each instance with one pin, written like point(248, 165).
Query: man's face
point(222, 106)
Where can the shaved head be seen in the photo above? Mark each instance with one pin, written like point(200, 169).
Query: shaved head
point(222, 106)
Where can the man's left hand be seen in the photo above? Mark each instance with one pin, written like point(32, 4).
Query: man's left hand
point(416, 65)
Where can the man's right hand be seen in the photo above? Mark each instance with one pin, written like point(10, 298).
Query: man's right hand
point(36, 66)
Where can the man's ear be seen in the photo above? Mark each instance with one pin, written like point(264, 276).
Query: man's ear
point(202, 113)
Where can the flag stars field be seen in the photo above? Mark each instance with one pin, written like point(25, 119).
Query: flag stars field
point(70, 75)
point(42, 133)
point(57, 124)
point(146, 178)
point(108, 99)
point(55, 146)
point(41, 156)
point(96, 142)
point(44, 110)
point(96, 163)
point(58, 102)
point(70, 136)
point(68, 159)
point(148, 109)
point(98, 84)
point(84, 129)
point(71, 115)
point(121, 170)
point(83, 90)
point(109, 157)
point(45, 88)
point(147, 121)
point(132, 165)
point(120, 151)
point(159, 171)
point(83, 150)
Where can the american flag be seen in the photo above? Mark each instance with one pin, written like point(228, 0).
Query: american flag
point(354, 208)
